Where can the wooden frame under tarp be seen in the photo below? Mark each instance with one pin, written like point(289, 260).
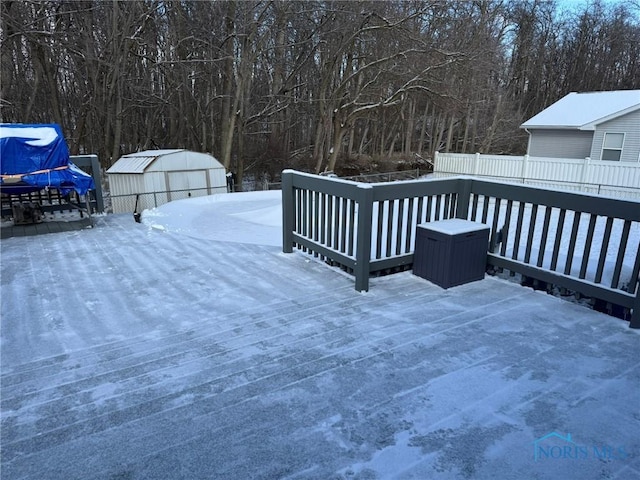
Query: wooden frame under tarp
point(52, 200)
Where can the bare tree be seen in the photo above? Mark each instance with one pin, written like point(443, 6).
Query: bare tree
point(269, 84)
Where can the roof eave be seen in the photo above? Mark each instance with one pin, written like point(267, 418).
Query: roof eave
point(524, 126)
point(613, 116)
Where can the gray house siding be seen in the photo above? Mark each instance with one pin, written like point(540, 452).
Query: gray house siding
point(628, 124)
point(559, 143)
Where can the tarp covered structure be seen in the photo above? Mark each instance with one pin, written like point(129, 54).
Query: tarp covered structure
point(33, 157)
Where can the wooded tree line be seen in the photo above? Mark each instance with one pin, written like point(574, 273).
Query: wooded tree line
point(315, 84)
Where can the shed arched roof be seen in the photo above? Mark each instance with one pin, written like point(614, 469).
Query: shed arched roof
point(139, 162)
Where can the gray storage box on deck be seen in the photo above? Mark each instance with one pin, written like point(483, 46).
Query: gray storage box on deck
point(451, 252)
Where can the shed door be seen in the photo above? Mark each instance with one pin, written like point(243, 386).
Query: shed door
point(191, 183)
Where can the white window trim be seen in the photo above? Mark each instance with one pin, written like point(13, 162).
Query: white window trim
point(604, 137)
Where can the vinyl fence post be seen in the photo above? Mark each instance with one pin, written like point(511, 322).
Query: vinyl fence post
point(583, 174)
point(287, 210)
point(363, 245)
point(525, 169)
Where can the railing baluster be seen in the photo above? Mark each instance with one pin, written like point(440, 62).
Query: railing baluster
point(419, 216)
point(299, 212)
point(330, 221)
point(485, 209)
point(532, 229)
point(505, 229)
point(305, 212)
point(474, 207)
point(438, 204)
point(494, 225)
point(622, 247)
point(380, 229)
point(399, 225)
point(410, 226)
point(603, 249)
point(545, 232)
point(336, 224)
point(516, 240)
point(343, 234)
point(390, 212)
point(352, 229)
point(446, 199)
point(572, 242)
point(310, 213)
point(429, 208)
point(453, 205)
point(558, 241)
point(587, 246)
point(323, 218)
point(316, 214)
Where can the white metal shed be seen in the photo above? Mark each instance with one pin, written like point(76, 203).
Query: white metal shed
point(160, 176)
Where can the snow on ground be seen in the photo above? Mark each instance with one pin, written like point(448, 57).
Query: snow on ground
point(198, 350)
point(249, 217)
point(256, 217)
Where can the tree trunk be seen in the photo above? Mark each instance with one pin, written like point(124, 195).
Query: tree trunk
point(423, 128)
point(227, 119)
point(467, 121)
point(409, 126)
point(450, 134)
point(117, 131)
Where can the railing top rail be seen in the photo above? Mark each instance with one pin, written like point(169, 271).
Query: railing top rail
point(415, 188)
point(568, 200)
point(330, 185)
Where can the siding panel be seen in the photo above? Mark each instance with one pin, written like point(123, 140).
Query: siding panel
point(628, 124)
point(559, 143)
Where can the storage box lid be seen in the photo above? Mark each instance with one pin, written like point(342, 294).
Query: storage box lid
point(454, 226)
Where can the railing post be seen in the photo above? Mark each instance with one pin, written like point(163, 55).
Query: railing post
point(463, 192)
point(635, 314)
point(476, 165)
point(97, 177)
point(287, 211)
point(92, 162)
point(363, 245)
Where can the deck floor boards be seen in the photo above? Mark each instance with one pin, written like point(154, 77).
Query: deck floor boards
point(129, 352)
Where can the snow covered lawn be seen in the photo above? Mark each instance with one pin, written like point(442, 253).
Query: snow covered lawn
point(190, 347)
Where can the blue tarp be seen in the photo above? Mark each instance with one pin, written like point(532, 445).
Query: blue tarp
point(33, 157)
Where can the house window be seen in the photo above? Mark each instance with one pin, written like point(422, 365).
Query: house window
point(612, 146)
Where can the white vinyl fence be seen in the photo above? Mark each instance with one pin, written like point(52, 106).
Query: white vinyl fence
point(616, 179)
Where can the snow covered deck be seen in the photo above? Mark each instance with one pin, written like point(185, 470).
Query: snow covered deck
point(137, 352)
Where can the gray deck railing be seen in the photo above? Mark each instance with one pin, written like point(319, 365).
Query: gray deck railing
point(581, 242)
